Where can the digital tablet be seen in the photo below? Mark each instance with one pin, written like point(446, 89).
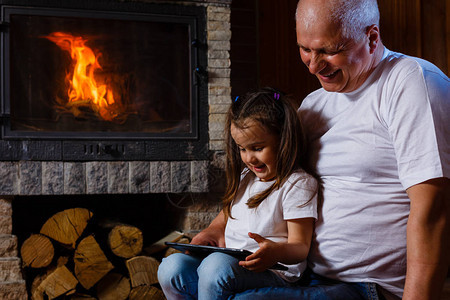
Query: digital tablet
point(202, 250)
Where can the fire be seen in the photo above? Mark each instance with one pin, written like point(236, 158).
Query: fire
point(84, 90)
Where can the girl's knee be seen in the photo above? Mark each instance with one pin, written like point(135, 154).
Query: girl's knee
point(168, 268)
point(172, 266)
point(171, 262)
point(217, 276)
point(218, 267)
point(177, 275)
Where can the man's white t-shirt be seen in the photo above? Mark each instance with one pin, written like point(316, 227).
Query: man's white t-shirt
point(269, 219)
point(368, 147)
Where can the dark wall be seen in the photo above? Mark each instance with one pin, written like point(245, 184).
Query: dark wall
point(244, 46)
point(264, 50)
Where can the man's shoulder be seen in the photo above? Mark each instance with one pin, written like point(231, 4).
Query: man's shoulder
point(399, 71)
point(402, 64)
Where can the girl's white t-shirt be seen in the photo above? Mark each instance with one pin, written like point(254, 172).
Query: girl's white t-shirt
point(269, 219)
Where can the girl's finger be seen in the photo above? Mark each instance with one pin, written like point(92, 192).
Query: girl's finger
point(256, 237)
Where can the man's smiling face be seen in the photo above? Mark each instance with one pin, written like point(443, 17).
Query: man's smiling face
point(341, 64)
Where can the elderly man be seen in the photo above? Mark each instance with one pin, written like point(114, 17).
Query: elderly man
point(378, 131)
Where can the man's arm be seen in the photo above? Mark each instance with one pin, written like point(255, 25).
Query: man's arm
point(214, 234)
point(428, 239)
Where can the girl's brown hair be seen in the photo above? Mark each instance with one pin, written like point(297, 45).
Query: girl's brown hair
point(275, 112)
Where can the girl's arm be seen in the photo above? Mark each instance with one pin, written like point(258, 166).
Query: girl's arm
point(214, 234)
point(293, 251)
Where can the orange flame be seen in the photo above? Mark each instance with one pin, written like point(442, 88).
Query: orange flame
point(83, 87)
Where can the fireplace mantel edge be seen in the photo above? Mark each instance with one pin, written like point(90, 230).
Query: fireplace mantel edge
point(134, 177)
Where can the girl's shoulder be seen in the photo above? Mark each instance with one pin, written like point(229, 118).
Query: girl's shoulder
point(300, 173)
point(301, 179)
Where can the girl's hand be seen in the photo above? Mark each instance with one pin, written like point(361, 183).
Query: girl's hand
point(262, 259)
point(208, 237)
point(214, 234)
point(294, 251)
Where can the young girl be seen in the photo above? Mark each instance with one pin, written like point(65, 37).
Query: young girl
point(269, 208)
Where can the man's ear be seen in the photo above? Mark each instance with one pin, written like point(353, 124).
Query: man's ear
point(373, 33)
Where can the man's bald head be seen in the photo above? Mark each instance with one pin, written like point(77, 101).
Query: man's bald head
point(352, 16)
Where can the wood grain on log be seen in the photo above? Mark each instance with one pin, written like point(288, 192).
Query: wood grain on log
point(37, 291)
point(37, 251)
point(91, 263)
point(113, 286)
point(145, 292)
point(125, 241)
point(60, 281)
point(67, 226)
point(143, 270)
point(78, 296)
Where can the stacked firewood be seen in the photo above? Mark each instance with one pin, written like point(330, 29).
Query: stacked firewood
point(70, 262)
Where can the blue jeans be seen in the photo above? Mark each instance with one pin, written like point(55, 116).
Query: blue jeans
point(315, 287)
point(217, 276)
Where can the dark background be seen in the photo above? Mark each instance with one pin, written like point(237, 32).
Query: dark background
point(264, 49)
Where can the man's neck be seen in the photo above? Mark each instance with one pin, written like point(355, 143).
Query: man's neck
point(378, 55)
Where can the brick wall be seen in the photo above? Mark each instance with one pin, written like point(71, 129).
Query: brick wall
point(12, 285)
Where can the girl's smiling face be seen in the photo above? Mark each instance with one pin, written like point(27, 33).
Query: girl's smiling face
point(258, 148)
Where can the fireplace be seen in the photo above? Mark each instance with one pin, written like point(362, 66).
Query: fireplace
point(153, 136)
point(100, 84)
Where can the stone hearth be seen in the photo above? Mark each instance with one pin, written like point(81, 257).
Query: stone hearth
point(201, 180)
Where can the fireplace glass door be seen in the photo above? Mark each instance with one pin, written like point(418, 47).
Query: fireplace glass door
point(78, 74)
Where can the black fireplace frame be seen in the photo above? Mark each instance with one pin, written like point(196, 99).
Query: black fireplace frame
point(71, 147)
